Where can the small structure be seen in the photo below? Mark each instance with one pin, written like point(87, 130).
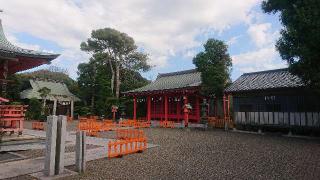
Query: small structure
point(168, 94)
point(14, 59)
point(59, 95)
point(274, 98)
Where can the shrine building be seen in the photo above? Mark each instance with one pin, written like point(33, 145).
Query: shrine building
point(168, 94)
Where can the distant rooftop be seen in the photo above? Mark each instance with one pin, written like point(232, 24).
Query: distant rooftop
point(264, 80)
point(58, 91)
point(173, 80)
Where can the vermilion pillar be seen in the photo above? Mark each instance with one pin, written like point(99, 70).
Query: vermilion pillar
point(197, 109)
point(148, 108)
point(178, 109)
point(165, 107)
point(135, 108)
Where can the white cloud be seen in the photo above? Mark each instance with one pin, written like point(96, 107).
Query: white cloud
point(233, 40)
point(262, 59)
point(16, 42)
point(162, 28)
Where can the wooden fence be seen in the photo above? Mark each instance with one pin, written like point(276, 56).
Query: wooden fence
point(305, 119)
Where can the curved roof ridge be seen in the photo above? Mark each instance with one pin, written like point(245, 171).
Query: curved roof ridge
point(8, 48)
point(177, 73)
point(267, 71)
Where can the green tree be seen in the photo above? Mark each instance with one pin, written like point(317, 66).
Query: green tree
point(44, 92)
point(34, 109)
point(215, 64)
point(119, 51)
point(300, 39)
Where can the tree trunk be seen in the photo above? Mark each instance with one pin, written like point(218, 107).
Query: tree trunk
point(44, 106)
point(92, 102)
point(117, 81)
point(112, 76)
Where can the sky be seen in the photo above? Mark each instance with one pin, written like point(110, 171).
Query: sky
point(171, 32)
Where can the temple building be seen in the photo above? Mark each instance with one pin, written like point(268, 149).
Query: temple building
point(166, 96)
point(60, 99)
point(14, 59)
point(274, 98)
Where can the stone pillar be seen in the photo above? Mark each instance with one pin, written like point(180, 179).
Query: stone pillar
point(55, 145)
point(61, 139)
point(81, 151)
point(54, 111)
point(51, 136)
point(71, 108)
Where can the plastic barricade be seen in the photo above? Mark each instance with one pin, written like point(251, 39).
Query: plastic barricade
point(38, 125)
point(118, 148)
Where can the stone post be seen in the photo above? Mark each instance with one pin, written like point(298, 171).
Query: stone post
point(81, 151)
point(51, 136)
point(61, 139)
point(55, 145)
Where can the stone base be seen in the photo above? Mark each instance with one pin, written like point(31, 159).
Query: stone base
point(41, 176)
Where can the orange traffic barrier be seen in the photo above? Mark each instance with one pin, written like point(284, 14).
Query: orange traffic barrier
point(38, 126)
point(220, 123)
point(119, 148)
point(127, 123)
point(129, 134)
point(167, 124)
point(92, 128)
point(108, 126)
point(142, 124)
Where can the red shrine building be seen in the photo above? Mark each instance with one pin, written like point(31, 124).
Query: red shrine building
point(15, 59)
point(168, 94)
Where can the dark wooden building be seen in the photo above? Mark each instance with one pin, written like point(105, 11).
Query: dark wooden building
point(274, 98)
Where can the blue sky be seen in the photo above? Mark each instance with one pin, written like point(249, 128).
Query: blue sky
point(171, 32)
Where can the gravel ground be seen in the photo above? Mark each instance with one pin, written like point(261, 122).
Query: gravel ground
point(41, 152)
point(212, 154)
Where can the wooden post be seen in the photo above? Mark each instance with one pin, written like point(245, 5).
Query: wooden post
point(71, 109)
point(5, 75)
point(135, 108)
point(149, 108)
point(166, 108)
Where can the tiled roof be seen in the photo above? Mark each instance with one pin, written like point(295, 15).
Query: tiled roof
point(174, 80)
point(58, 91)
point(9, 50)
point(263, 80)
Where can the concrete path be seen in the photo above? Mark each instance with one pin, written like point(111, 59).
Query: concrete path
point(28, 166)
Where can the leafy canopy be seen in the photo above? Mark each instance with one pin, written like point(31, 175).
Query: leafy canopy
point(300, 36)
point(215, 64)
point(118, 46)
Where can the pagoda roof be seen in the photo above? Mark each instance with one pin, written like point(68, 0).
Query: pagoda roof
point(8, 50)
point(20, 59)
point(172, 81)
point(58, 90)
